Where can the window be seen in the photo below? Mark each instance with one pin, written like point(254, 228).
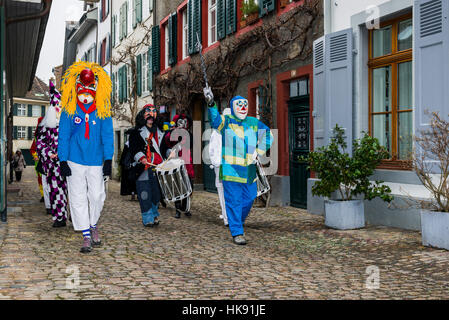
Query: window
point(129, 82)
point(145, 72)
point(36, 111)
point(299, 88)
point(22, 110)
point(167, 36)
point(257, 104)
point(185, 35)
point(21, 132)
point(390, 78)
point(212, 22)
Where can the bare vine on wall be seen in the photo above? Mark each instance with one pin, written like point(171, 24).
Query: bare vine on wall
point(265, 48)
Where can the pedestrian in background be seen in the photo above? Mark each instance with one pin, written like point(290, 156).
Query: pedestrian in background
point(18, 164)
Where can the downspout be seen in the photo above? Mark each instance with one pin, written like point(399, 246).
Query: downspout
point(39, 15)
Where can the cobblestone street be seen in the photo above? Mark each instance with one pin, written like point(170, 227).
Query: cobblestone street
point(290, 255)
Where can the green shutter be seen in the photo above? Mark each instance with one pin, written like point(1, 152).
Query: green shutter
point(42, 111)
point(14, 130)
point(120, 85)
point(196, 24)
point(30, 133)
point(266, 7)
point(190, 26)
point(221, 19)
point(139, 11)
point(30, 110)
point(125, 78)
point(231, 16)
point(120, 22)
point(172, 35)
point(15, 109)
point(156, 35)
point(113, 88)
point(150, 70)
point(134, 13)
point(139, 75)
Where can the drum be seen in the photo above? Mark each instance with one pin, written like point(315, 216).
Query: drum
point(173, 180)
point(263, 186)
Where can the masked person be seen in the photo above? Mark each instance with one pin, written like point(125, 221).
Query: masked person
point(243, 139)
point(86, 145)
point(144, 147)
point(215, 151)
point(47, 148)
point(182, 122)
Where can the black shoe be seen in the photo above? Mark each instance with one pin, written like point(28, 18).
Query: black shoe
point(178, 214)
point(48, 211)
point(87, 245)
point(163, 203)
point(188, 214)
point(149, 225)
point(59, 224)
point(42, 199)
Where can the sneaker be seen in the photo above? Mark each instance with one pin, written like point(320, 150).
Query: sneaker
point(178, 214)
point(240, 240)
point(59, 224)
point(149, 225)
point(95, 237)
point(87, 245)
point(188, 214)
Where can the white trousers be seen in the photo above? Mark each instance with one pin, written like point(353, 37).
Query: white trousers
point(219, 186)
point(46, 190)
point(86, 195)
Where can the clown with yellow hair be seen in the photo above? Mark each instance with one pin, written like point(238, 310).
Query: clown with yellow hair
point(86, 144)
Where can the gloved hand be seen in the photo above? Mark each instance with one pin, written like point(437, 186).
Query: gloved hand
point(107, 167)
point(255, 155)
point(65, 169)
point(209, 96)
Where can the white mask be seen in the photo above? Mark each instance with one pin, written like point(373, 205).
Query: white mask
point(240, 108)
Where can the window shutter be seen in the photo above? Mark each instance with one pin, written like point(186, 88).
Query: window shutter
point(231, 16)
point(120, 85)
point(221, 19)
point(113, 31)
point(139, 75)
point(15, 109)
point(30, 110)
point(42, 111)
point(120, 29)
point(338, 87)
point(125, 22)
point(431, 68)
point(319, 91)
point(113, 88)
point(125, 81)
point(266, 7)
point(30, 133)
point(172, 26)
point(108, 47)
point(156, 51)
point(151, 5)
point(139, 11)
point(14, 132)
point(196, 24)
point(150, 69)
point(134, 13)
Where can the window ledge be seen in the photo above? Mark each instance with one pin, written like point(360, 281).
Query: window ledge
point(211, 47)
point(290, 6)
point(185, 60)
point(396, 165)
point(249, 28)
point(167, 70)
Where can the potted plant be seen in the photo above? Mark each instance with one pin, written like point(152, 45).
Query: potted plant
point(347, 176)
point(431, 164)
point(283, 3)
point(250, 12)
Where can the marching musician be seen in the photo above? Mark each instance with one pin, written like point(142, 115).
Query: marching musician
point(243, 139)
point(181, 122)
point(144, 146)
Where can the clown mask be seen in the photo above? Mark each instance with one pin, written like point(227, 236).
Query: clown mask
point(86, 87)
point(182, 123)
point(150, 111)
point(240, 108)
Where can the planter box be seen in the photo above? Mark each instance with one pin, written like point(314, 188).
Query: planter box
point(344, 215)
point(252, 18)
point(435, 229)
point(284, 3)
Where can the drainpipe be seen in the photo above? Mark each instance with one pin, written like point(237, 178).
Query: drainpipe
point(39, 15)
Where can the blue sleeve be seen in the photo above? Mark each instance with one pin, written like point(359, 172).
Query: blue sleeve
point(107, 138)
point(264, 138)
point(65, 132)
point(216, 120)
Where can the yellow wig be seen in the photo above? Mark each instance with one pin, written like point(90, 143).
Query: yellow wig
point(103, 94)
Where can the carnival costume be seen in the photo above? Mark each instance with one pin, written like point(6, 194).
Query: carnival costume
point(180, 121)
point(144, 147)
point(47, 148)
point(243, 139)
point(86, 145)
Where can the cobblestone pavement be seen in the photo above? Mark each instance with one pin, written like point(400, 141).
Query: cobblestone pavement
point(290, 255)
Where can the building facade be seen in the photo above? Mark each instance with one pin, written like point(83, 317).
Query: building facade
point(379, 67)
point(26, 112)
point(248, 53)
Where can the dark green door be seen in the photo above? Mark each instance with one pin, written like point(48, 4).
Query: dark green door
point(299, 128)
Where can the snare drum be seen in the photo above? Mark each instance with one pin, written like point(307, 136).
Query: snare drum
point(263, 186)
point(174, 180)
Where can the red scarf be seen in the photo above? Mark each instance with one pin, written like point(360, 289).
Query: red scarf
point(91, 109)
point(152, 157)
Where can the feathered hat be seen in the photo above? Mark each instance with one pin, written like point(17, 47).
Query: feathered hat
point(101, 83)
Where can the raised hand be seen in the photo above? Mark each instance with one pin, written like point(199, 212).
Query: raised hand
point(208, 95)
